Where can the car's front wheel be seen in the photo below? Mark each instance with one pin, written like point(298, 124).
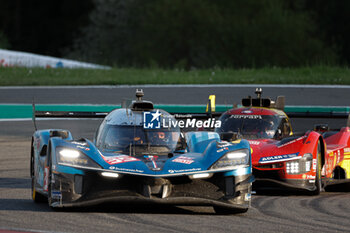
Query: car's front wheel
point(37, 197)
point(318, 175)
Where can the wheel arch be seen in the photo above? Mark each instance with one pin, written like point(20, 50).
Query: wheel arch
point(323, 150)
point(32, 158)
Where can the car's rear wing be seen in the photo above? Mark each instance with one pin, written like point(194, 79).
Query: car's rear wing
point(72, 111)
point(211, 110)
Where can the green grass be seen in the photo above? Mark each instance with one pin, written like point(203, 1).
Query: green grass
point(123, 76)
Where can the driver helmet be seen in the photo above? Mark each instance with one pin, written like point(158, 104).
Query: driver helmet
point(269, 128)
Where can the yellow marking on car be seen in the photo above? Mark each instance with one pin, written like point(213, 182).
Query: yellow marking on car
point(236, 141)
point(33, 194)
point(211, 103)
point(345, 164)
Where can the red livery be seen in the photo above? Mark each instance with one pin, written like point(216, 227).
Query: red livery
point(282, 159)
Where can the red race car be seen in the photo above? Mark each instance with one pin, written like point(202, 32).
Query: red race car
point(308, 161)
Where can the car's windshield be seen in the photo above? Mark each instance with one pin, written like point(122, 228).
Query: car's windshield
point(250, 126)
point(135, 140)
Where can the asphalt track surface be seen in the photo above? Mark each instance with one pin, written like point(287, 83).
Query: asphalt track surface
point(270, 212)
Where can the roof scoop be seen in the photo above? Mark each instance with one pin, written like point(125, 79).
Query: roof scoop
point(139, 94)
point(139, 104)
point(263, 102)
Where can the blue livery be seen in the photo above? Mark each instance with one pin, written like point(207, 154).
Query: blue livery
point(127, 161)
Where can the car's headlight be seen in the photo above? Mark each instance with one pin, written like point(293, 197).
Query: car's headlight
point(75, 158)
point(299, 166)
point(232, 159)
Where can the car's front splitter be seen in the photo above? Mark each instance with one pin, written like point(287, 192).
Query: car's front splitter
point(296, 185)
point(70, 190)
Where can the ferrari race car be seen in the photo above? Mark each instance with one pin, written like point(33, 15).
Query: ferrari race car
point(137, 155)
point(281, 159)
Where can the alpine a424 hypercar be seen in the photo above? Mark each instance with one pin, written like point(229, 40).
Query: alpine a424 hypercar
point(134, 160)
point(280, 159)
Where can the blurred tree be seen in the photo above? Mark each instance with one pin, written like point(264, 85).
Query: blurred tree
point(202, 33)
point(334, 24)
point(107, 38)
point(41, 26)
point(4, 44)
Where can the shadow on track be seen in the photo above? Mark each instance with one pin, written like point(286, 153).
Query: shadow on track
point(23, 183)
point(132, 208)
point(23, 205)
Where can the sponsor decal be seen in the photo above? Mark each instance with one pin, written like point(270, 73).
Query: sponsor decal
point(222, 149)
point(288, 143)
point(184, 170)
point(80, 143)
point(246, 116)
point(247, 111)
point(338, 158)
point(125, 169)
point(119, 159)
point(183, 159)
point(37, 142)
point(247, 197)
point(223, 144)
point(153, 159)
point(278, 158)
point(56, 194)
point(346, 150)
point(46, 179)
point(254, 142)
point(310, 177)
point(83, 147)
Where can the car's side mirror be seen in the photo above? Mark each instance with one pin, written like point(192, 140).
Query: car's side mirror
point(321, 128)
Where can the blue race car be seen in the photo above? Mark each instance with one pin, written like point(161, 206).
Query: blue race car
point(131, 161)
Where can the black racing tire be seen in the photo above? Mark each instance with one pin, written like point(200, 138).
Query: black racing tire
point(36, 197)
point(318, 179)
point(228, 211)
